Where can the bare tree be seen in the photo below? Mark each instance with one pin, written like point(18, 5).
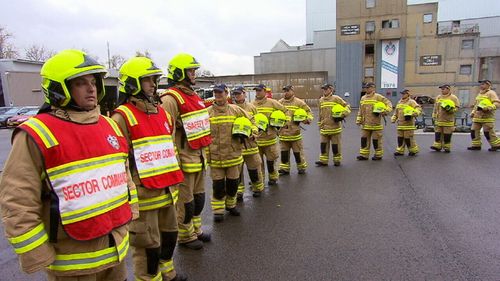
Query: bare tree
point(38, 53)
point(146, 54)
point(116, 61)
point(7, 50)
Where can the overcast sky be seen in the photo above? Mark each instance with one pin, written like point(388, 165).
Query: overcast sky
point(223, 35)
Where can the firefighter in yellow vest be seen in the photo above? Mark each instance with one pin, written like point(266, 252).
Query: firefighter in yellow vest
point(66, 194)
point(155, 170)
point(267, 140)
point(444, 118)
point(192, 135)
point(250, 151)
point(225, 152)
point(332, 111)
point(483, 116)
point(372, 109)
point(406, 111)
point(290, 135)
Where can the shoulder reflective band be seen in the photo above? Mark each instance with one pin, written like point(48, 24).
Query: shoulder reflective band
point(91, 260)
point(29, 240)
point(177, 95)
point(128, 113)
point(113, 125)
point(42, 131)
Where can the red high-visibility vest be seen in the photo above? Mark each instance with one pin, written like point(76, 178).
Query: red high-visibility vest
point(194, 116)
point(154, 151)
point(85, 166)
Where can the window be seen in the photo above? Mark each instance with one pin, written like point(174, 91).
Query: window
point(369, 49)
point(465, 69)
point(390, 23)
point(370, 26)
point(370, 4)
point(395, 23)
point(468, 44)
point(427, 18)
point(368, 71)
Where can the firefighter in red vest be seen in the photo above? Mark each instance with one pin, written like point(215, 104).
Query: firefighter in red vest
point(192, 135)
point(66, 193)
point(155, 170)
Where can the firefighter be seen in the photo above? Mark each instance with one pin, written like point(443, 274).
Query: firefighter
point(290, 135)
point(406, 111)
point(373, 108)
point(332, 111)
point(155, 170)
point(66, 193)
point(225, 152)
point(483, 116)
point(192, 135)
point(444, 118)
point(267, 140)
point(250, 151)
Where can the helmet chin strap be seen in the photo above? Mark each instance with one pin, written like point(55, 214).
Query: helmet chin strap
point(141, 95)
point(74, 106)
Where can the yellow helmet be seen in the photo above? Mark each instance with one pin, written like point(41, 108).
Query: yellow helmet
point(64, 66)
point(408, 111)
point(447, 104)
point(261, 121)
point(277, 119)
point(242, 127)
point(379, 107)
point(338, 112)
point(133, 70)
point(299, 115)
point(484, 103)
point(178, 66)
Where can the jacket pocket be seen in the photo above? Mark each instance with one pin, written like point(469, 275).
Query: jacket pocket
point(140, 235)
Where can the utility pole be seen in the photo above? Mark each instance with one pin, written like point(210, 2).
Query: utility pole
point(109, 58)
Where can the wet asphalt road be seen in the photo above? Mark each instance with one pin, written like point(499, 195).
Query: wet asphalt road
point(432, 217)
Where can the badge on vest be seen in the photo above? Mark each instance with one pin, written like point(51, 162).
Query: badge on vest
point(113, 141)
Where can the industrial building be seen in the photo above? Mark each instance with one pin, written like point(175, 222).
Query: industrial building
point(392, 44)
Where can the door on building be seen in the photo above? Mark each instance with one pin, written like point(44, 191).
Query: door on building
point(2, 99)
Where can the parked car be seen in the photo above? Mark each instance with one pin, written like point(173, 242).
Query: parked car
point(24, 114)
point(5, 109)
point(6, 115)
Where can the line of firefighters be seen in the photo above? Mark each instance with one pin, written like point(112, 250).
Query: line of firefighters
point(78, 188)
